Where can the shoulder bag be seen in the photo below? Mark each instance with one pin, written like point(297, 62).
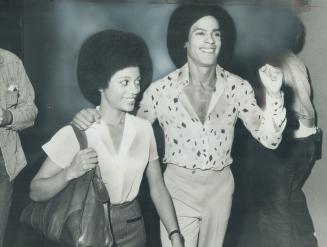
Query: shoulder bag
point(77, 216)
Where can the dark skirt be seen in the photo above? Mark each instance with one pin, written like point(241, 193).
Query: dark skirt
point(127, 224)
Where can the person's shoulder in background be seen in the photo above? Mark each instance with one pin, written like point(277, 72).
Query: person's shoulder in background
point(8, 57)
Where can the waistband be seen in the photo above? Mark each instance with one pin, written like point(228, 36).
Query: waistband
point(314, 137)
point(196, 173)
point(124, 204)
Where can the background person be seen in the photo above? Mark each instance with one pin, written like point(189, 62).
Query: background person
point(284, 219)
point(17, 112)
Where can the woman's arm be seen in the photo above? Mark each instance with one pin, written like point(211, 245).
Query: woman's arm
point(163, 201)
point(51, 178)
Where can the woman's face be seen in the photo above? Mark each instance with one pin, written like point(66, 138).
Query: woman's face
point(123, 88)
point(204, 41)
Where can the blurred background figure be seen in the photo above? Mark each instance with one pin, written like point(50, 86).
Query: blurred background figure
point(275, 202)
point(285, 220)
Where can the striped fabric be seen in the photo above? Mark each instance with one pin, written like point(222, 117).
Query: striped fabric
point(16, 95)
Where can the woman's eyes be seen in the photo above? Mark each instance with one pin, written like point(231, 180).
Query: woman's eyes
point(217, 34)
point(201, 33)
point(124, 82)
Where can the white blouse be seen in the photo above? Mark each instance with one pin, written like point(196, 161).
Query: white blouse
point(121, 170)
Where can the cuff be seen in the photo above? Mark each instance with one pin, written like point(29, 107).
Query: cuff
point(274, 104)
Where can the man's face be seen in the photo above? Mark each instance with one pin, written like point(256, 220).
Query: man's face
point(204, 42)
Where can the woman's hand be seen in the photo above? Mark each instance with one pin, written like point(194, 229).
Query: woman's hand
point(272, 79)
point(84, 161)
point(86, 117)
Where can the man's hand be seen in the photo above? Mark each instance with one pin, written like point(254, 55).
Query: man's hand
point(86, 117)
point(5, 117)
point(272, 79)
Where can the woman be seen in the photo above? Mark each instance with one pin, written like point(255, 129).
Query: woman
point(113, 66)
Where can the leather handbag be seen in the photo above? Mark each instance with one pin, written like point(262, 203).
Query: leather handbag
point(77, 216)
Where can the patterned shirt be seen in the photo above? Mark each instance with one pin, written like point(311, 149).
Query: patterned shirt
point(189, 143)
point(16, 95)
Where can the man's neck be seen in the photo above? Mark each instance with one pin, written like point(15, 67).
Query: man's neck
point(204, 76)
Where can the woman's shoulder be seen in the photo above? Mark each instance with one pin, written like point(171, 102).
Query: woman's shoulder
point(62, 147)
point(64, 132)
point(65, 136)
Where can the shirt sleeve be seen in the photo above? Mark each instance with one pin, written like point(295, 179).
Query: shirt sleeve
point(148, 105)
point(62, 147)
point(24, 113)
point(266, 126)
point(153, 152)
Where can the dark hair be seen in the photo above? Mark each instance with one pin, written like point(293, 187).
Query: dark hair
point(180, 24)
point(107, 52)
point(298, 33)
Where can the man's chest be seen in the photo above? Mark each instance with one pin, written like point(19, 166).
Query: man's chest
point(189, 110)
point(199, 101)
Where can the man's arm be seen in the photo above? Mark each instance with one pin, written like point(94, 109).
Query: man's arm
point(24, 112)
point(149, 104)
point(265, 125)
point(5, 117)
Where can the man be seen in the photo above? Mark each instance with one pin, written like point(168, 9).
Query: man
point(197, 107)
point(285, 220)
point(17, 112)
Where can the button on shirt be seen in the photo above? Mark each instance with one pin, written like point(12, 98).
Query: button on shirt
point(121, 170)
point(195, 145)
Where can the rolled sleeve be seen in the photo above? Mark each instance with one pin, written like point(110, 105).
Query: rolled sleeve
point(266, 126)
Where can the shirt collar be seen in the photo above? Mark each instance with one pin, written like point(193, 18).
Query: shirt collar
point(183, 78)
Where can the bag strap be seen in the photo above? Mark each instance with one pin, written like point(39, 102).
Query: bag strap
point(99, 186)
point(82, 140)
point(81, 137)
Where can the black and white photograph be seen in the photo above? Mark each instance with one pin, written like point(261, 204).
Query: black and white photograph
point(163, 123)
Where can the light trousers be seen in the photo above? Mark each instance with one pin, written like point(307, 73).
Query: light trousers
point(202, 201)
